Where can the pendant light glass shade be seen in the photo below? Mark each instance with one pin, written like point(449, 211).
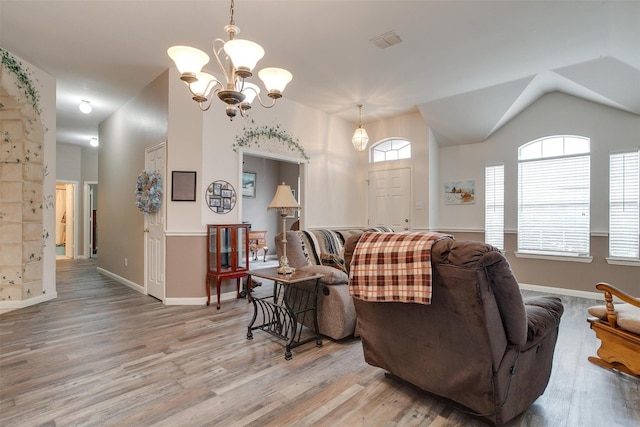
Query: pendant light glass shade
point(244, 54)
point(189, 60)
point(275, 79)
point(360, 138)
point(204, 85)
point(250, 92)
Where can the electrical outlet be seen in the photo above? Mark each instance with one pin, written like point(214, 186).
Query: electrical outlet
point(126, 262)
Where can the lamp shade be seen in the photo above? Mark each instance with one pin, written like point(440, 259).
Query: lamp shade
point(360, 139)
point(188, 59)
point(244, 54)
point(275, 79)
point(283, 199)
point(203, 86)
point(250, 92)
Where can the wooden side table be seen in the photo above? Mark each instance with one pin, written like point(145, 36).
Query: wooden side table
point(258, 242)
point(283, 312)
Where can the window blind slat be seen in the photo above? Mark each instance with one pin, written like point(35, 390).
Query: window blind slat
point(554, 200)
point(624, 205)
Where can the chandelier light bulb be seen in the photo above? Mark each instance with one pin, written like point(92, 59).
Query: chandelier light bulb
point(85, 106)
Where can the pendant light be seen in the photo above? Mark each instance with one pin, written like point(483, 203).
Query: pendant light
point(360, 138)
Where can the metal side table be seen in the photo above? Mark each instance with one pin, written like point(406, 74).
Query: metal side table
point(284, 312)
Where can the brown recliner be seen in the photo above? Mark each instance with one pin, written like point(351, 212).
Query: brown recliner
point(478, 344)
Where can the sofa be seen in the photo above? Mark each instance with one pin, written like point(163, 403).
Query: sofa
point(321, 250)
point(477, 344)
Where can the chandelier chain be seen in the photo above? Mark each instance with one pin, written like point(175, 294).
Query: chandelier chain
point(231, 10)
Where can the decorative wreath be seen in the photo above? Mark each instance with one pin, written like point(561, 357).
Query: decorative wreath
point(149, 191)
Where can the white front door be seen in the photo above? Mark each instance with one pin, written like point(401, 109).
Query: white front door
point(154, 224)
point(390, 198)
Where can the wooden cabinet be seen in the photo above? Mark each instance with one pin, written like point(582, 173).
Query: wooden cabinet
point(227, 255)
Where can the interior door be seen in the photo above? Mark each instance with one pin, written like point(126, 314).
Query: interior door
point(154, 224)
point(390, 198)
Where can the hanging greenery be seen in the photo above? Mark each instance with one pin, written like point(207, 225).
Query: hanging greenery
point(149, 191)
point(252, 135)
point(23, 79)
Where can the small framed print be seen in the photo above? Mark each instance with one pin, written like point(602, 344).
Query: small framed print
point(215, 202)
point(248, 184)
point(183, 186)
point(226, 193)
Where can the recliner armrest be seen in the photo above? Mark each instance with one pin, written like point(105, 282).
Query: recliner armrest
point(332, 276)
point(543, 312)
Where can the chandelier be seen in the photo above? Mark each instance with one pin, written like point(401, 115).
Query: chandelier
point(360, 138)
point(241, 57)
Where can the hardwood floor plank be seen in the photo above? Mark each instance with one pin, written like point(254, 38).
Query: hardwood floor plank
point(102, 354)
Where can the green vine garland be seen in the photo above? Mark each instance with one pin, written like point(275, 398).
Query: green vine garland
point(253, 133)
point(24, 80)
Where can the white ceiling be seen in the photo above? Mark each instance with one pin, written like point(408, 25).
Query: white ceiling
point(467, 66)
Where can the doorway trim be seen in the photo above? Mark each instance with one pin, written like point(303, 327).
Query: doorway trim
point(87, 219)
point(75, 186)
point(302, 173)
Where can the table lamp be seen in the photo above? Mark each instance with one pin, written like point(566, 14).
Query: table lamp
point(286, 205)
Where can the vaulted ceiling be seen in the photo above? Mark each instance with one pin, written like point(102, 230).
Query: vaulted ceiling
point(468, 67)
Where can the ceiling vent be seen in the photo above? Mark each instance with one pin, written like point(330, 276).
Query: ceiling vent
point(386, 40)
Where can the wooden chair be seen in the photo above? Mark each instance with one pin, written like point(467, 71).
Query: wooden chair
point(620, 348)
point(258, 242)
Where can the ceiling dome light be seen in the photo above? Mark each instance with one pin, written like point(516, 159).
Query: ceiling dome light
point(94, 142)
point(85, 106)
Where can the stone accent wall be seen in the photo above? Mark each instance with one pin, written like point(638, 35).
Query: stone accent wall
point(22, 198)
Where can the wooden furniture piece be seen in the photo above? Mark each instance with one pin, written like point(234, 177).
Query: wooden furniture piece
point(283, 313)
point(619, 348)
point(258, 242)
point(227, 256)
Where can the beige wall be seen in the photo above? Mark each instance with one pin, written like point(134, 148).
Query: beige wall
point(577, 276)
point(335, 188)
point(139, 124)
point(554, 114)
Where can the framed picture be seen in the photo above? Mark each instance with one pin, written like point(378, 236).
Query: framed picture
point(183, 186)
point(460, 192)
point(248, 184)
point(220, 197)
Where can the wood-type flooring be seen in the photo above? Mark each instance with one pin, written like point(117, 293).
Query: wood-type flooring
point(102, 354)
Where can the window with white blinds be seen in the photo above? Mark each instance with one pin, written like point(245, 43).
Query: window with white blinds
point(494, 206)
point(554, 196)
point(624, 205)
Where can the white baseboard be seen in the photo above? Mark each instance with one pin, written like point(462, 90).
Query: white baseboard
point(7, 306)
point(200, 300)
point(563, 291)
point(122, 280)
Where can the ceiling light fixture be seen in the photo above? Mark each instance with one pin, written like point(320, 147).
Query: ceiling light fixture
point(94, 142)
point(360, 138)
point(242, 57)
point(85, 106)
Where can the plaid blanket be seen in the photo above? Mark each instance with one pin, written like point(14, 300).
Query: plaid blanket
point(393, 267)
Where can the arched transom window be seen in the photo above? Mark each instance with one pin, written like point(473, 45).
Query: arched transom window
point(390, 149)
